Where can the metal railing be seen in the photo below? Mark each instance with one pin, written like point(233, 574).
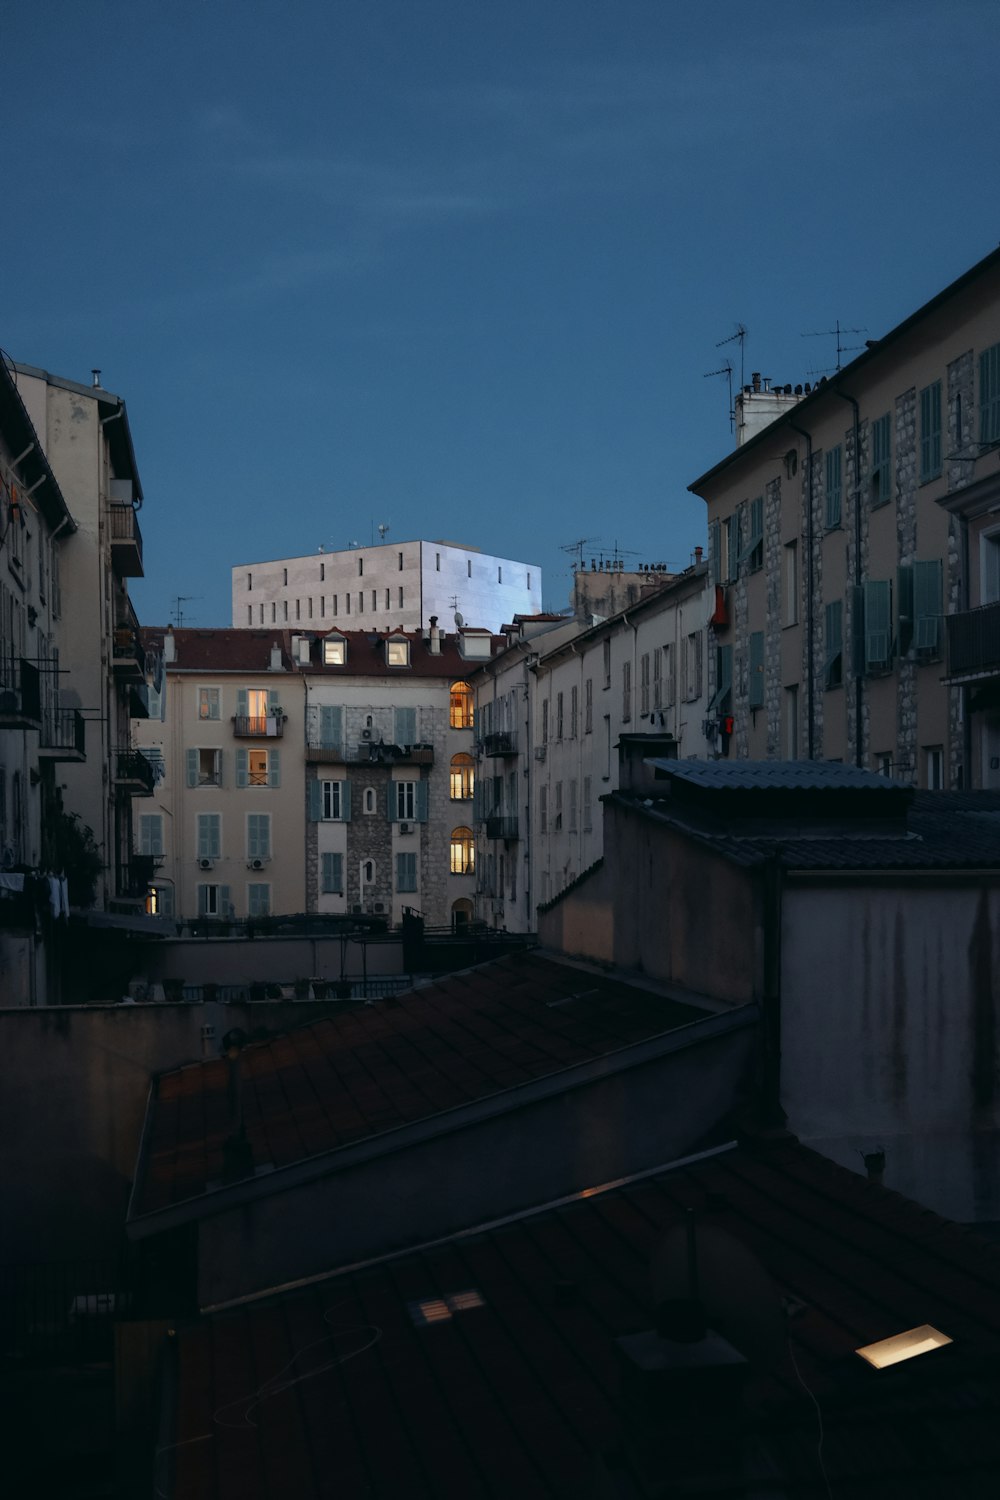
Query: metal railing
point(125, 530)
point(974, 641)
point(259, 726)
point(64, 735)
point(132, 766)
point(368, 752)
point(500, 742)
point(501, 827)
point(20, 694)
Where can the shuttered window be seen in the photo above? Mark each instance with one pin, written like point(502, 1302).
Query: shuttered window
point(406, 872)
point(834, 642)
point(151, 833)
point(927, 607)
point(930, 432)
point(209, 827)
point(834, 486)
point(881, 460)
point(332, 875)
point(404, 726)
point(989, 396)
point(258, 835)
point(331, 726)
point(754, 550)
point(878, 626)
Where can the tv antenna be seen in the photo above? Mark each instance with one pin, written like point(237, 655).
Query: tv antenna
point(383, 530)
point(727, 370)
point(575, 549)
point(836, 332)
point(741, 335)
point(179, 601)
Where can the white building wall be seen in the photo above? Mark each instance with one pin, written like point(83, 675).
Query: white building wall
point(395, 585)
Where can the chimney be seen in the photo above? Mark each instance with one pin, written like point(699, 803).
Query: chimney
point(434, 643)
point(698, 554)
point(169, 644)
point(95, 379)
point(275, 663)
point(755, 379)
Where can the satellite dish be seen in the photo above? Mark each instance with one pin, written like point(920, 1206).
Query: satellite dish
point(459, 620)
point(704, 1278)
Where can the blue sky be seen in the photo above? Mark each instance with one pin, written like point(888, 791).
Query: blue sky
point(461, 267)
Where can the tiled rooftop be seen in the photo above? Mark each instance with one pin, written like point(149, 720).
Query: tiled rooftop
point(380, 1383)
point(768, 775)
point(387, 1064)
point(249, 650)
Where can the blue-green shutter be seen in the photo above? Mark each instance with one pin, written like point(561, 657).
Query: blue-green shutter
point(404, 730)
point(715, 551)
point(331, 726)
point(881, 460)
point(878, 624)
point(274, 767)
point(209, 841)
point(192, 767)
point(333, 874)
point(858, 629)
point(225, 904)
point(989, 396)
point(927, 610)
point(904, 607)
point(930, 432)
point(420, 801)
point(733, 539)
point(242, 708)
point(220, 761)
point(202, 898)
point(834, 486)
point(242, 768)
point(834, 641)
point(273, 703)
point(406, 872)
point(314, 790)
point(755, 684)
point(345, 801)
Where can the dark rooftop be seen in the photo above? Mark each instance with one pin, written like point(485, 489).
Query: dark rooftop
point(770, 775)
point(228, 649)
point(376, 1067)
point(484, 1365)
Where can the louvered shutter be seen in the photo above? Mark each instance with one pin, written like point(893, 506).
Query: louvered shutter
point(192, 767)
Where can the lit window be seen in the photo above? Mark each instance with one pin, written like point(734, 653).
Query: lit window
point(208, 703)
point(462, 777)
point(334, 651)
point(442, 1309)
point(397, 653)
point(461, 706)
point(463, 851)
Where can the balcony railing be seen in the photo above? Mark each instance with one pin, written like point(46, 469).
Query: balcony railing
point(128, 657)
point(20, 695)
point(126, 542)
point(974, 643)
point(133, 771)
point(501, 828)
point(369, 753)
point(259, 726)
point(501, 742)
point(132, 880)
point(63, 736)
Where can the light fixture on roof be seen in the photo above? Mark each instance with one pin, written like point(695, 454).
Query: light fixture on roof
point(900, 1346)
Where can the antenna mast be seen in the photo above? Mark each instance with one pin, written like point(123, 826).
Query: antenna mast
point(836, 332)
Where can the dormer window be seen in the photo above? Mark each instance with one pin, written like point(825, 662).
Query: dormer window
point(334, 651)
point(397, 653)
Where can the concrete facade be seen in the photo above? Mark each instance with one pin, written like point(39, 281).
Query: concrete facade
point(397, 585)
point(839, 600)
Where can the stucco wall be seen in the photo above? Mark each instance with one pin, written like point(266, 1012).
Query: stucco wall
point(890, 1002)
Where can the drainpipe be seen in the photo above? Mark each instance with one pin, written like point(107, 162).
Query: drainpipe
point(810, 612)
point(858, 679)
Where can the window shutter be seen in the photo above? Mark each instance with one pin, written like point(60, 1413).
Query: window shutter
point(755, 687)
point(420, 802)
point(834, 640)
point(274, 706)
point(326, 878)
point(927, 581)
point(904, 607)
point(345, 801)
point(392, 802)
point(834, 487)
point(338, 874)
point(989, 396)
point(192, 767)
point(274, 767)
point(858, 629)
point(241, 703)
point(225, 904)
point(930, 431)
point(405, 726)
point(242, 768)
point(314, 804)
point(219, 759)
point(715, 551)
point(331, 722)
point(878, 624)
point(202, 900)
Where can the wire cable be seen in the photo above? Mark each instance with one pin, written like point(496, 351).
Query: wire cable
point(819, 1420)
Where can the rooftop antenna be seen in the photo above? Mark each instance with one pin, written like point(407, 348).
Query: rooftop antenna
point(837, 332)
point(741, 334)
point(179, 601)
point(383, 530)
point(576, 548)
point(727, 370)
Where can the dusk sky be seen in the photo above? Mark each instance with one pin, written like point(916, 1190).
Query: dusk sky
point(462, 267)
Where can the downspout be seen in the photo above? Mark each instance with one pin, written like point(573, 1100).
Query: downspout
point(810, 613)
point(858, 678)
point(964, 603)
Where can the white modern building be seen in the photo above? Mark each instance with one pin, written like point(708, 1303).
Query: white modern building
point(395, 585)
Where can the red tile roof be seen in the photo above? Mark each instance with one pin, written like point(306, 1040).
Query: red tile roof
point(246, 650)
point(340, 1390)
point(387, 1064)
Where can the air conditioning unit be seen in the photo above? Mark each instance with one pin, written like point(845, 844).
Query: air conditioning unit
point(256, 864)
point(540, 752)
point(378, 906)
point(357, 909)
point(367, 734)
point(206, 864)
point(406, 827)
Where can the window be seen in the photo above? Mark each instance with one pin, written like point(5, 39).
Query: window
point(573, 787)
point(374, 600)
point(626, 691)
point(274, 612)
point(930, 432)
point(462, 777)
point(331, 875)
point(258, 709)
point(160, 901)
point(883, 763)
point(834, 640)
point(529, 580)
point(388, 598)
point(329, 801)
point(557, 815)
point(880, 482)
point(284, 606)
point(468, 565)
point(574, 711)
point(545, 721)
point(878, 626)
point(692, 667)
point(309, 604)
point(331, 727)
point(791, 583)
point(262, 614)
point(333, 605)
point(588, 706)
point(834, 486)
point(368, 872)
point(249, 580)
point(722, 699)
point(559, 716)
point(284, 576)
point(322, 606)
point(258, 899)
point(361, 601)
point(209, 835)
point(397, 653)
point(543, 809)
point(463, 851)
point(715, 552)
point(920, 607)
point(370, 800)
point(298, 609)
point(437, 562)
point(644, 684)
point(754, 552)
point(934, 768)
point(361, 567)
point(208, 703)
point(322, 572)
point(213, 900)
point(258, 835)
point(658, 679)
point(408, 802)
point(400, 597)
point(462, 706)
point(151, 834)
point(335, 651)
point(499, 575)
point(733, 533)
point(249, 614)
point(587, 815)
point(607, 664)
point(406, 872)
point(755, 670)
point(400, 557)
point(989, 397)
point(204, 767)
point(261, 768)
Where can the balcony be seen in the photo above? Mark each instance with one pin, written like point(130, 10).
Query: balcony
point(20, 695)
point(501, 828)
point(974, 644)
point(128, 657)
point(126, 542)
point(134, 773)
point(369, 753)
point(63, 737)
point(259, 726)
point(132, 880)
point(502, 742)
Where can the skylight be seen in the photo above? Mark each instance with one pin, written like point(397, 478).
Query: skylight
point(902, 1346)
point(442, 1309)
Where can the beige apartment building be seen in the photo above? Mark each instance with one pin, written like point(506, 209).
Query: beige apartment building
point(312, 773)
point(838, 549)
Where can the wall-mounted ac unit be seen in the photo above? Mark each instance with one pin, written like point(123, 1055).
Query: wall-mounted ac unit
point(378, 906)
point(405, 827)
point(540, 752)
point(256, 864)
point(206, 864)
point(356, 909)
point(367, 734)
